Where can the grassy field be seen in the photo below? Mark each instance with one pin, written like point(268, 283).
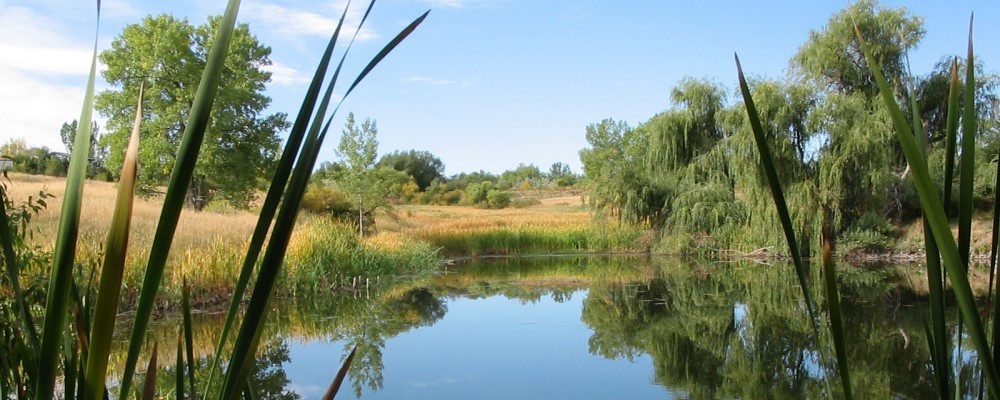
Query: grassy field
point(209, 246)
point(562, 224)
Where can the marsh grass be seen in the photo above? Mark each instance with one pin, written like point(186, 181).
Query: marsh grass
point(558, 225)
point(209, 246)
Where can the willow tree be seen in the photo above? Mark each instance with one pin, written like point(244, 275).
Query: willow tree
point(833, 58)
point(615, 169)
point(861, 170)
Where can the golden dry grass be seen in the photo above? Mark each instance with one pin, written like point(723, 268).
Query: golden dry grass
point(203, 242)
point(551, 213)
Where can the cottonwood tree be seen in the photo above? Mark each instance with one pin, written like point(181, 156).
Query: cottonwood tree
point(167, 55)
point(366, 184)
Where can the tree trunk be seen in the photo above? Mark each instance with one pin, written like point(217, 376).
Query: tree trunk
point(361, 218)
point(196, 193)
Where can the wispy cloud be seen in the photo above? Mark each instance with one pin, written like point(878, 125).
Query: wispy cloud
point(43, 74)
point(284, 75)
point(293, 23)
point(432, 81)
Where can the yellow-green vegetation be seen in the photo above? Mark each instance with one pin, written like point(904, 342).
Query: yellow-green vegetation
point(209, 245)
point(324, 254)
point(553, 225)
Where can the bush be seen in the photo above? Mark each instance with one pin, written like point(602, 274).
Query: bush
point(477, 192)
point(870, 233)
point(326, 200)
point(498, 199)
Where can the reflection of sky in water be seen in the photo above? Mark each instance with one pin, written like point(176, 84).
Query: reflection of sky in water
point(487, 348)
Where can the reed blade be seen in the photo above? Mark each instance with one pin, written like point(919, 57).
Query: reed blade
point(938, 336)
point(179, 368)
point(61, 274)
point(113, 268)
point(968, 161)
point(767, 162)
point(951, 134)
point(278, 182)
point(836, 316)
point(251, 328)
point(149, 388)
point(180, 179)
point(188, 334)
point(338, 380)
point(934, 212)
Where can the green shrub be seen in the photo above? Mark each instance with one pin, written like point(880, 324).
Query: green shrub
point(477, 192)
point(326, 200)
point(498, 199)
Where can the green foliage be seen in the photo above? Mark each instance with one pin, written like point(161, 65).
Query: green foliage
point(524, 176)
point(498, 199)
point(328, 252)
point(832, 57)
point(365, 183)
point(691, 171)
point(422, 166)
point(325, 200)
point(168, 55)
point(476, 192)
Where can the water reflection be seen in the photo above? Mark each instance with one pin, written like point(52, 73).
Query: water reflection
point(706, 330)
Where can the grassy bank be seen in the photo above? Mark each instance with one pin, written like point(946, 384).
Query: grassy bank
point(209, 246)
point(323, 255)
point(557, 225)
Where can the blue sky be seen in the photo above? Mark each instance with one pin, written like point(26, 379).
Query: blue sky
point(482, 84)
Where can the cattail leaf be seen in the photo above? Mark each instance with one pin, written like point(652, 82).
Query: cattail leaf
point(180, 179)
point(951, 134)
point(767, 162)
point(836, 318)
point(113, 269)
point(938, 222)
point(188, 335)
point(278, 182)
point(149, 388)
point(179, 368)
point(967, 167)
point(61, 274)
point(258, 306)
point(338, 380)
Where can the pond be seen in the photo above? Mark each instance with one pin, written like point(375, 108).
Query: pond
point(544, 328)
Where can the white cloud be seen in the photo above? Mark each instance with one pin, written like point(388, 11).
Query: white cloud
point(43, 75)
point(295, 23)
point(284, 75)
point(35, 109)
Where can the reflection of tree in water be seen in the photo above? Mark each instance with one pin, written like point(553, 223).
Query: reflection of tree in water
point(742, 333)
point(269, 378)
point(415, 308)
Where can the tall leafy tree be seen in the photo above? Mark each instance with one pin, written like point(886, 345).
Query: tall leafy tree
point(423, 166)
point(364, 183)
point(833, 58)
point(167, 55)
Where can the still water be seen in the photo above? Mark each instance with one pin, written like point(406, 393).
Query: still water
point(595, 328)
